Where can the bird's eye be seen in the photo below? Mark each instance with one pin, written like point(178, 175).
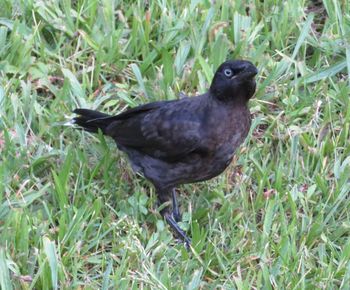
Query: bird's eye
point(228, 73)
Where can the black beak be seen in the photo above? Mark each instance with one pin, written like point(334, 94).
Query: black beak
point(246, 72)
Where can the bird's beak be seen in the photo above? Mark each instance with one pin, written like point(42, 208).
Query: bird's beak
point(248, 73)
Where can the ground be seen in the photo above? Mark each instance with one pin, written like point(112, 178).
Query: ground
point(73, 215)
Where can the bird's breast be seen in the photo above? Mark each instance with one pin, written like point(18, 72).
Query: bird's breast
point(229, 135)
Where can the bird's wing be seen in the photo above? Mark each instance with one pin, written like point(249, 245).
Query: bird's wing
point(140, 110)
point(167, 132)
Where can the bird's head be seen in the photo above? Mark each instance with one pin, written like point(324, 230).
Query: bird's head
point(234, 80)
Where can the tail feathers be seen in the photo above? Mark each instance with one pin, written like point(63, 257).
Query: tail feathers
point(91, 120)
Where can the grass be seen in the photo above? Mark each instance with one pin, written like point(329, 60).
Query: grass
point(72, 213)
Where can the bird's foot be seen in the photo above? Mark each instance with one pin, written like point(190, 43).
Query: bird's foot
point(176, 215)
point(177, 230)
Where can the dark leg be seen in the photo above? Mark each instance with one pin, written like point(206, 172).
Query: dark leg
point(173, 216)
point(177, 230)
point(176, 211)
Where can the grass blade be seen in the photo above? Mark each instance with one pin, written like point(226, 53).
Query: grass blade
point(5, 281)
point(51, 254)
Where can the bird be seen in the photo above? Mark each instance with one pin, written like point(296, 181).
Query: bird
point(182, 141)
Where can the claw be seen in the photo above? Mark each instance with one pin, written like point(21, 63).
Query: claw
point(178, 231)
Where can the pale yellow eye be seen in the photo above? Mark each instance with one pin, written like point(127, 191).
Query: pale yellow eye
point(228, 73)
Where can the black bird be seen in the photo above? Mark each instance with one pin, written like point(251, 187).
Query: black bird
point(183, 141)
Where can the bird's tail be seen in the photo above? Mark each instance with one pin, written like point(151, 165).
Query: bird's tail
point(91, 120)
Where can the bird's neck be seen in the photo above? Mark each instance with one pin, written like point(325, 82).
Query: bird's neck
point(238, 94)
point(234, 99)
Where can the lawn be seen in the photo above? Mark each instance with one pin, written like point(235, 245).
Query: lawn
point(73, 215)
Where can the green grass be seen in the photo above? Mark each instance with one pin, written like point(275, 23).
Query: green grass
point(72, 213)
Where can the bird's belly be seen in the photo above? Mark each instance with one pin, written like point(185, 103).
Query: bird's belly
point(195, 167)
point(200, 169)
point(222, 157)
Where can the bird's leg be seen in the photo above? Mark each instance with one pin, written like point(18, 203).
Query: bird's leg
point(176, 210)
point(173, 216)
point(177, 230)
